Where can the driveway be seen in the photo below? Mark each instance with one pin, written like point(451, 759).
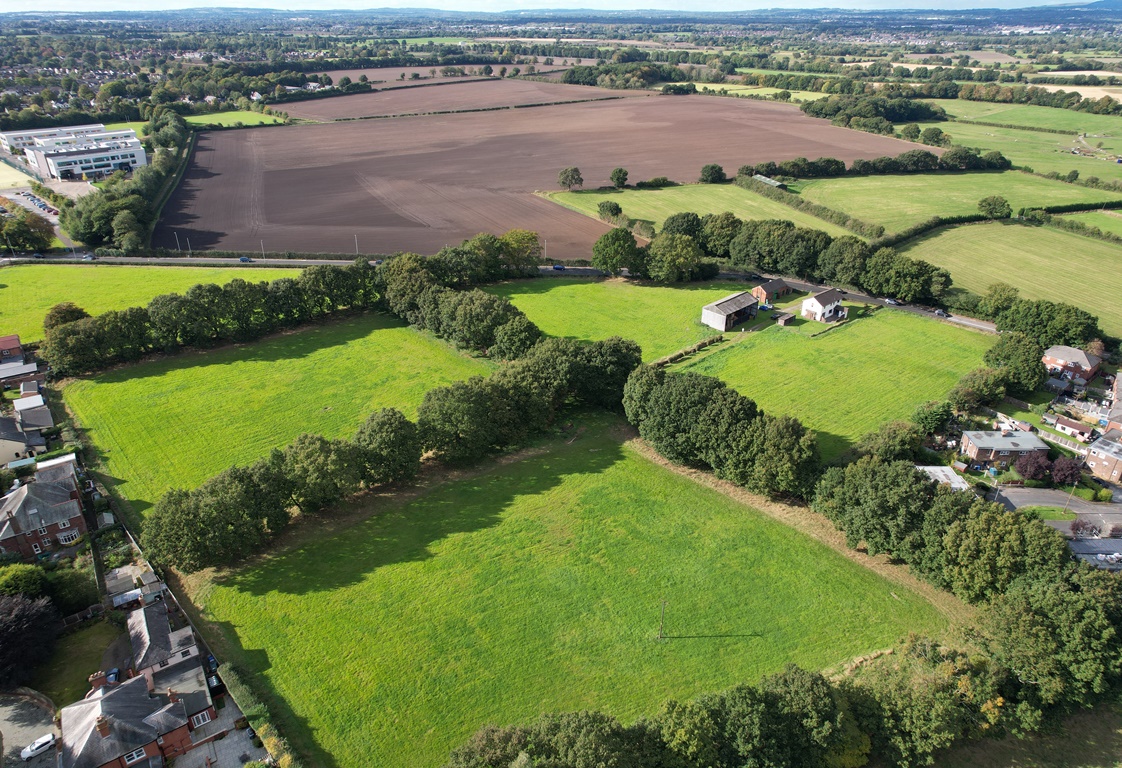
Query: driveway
point(22, 722)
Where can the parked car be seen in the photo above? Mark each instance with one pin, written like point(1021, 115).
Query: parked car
point(941, 313)
point(211, 662)
point(244, 259)
point(38, 747)
point(559, 267)
point(892, 302)
point(89, 257)
point(36, 255)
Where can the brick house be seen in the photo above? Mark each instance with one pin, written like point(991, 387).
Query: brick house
point(11, 351)
point(1071, 362)
point(767, 293)
point(1105, 456)
point(1000, 449)
point(168, 658)
point(44, 512)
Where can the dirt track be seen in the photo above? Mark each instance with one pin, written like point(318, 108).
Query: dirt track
point(444, 96)
point(420, 183)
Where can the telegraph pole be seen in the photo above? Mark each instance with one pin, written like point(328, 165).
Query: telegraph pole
point(177, 242)
point(662, 621)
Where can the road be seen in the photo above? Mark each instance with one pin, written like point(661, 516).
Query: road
point(22, 722)
point(1103, 515)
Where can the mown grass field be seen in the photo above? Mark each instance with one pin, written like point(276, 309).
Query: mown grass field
point(175, 422)
point(1107, 221)
point(898, 202)
point(851, 380)
point(1043, 152)
point(536, 586)
point(754, 90)
point(65, 677)
point(27, 291)
point(655, 205)
point(661, 319)
point(244, 116)
point(10, 178)
point(1044, 263)
point(1031, 116)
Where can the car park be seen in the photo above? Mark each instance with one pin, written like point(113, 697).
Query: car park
point(38, 747)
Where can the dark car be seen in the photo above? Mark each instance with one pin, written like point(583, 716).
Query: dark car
point(559, 267)
point(941, 313)
point(244, 259)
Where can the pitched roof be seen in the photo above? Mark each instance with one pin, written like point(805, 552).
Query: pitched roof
point(152, 637)
point(9, 430)
point(771, 286)
point(1073, 355)
point(32, 419)
point(828, 296)
point(734, 302)
point(1109, 445)
point(188, 680)
point(7, 342)
point(1074, 425)
point(1013, 441)
point(13, 370)
point(135, 718)
point(36, 505)
point(29, 401)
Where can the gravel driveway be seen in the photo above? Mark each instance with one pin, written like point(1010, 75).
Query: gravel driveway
point(22, 722)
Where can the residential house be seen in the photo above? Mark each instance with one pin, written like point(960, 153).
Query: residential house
point(155, 645)
point(767, 293)
point(725, 313)
point(11, 351)
point(32, 415)
point(15, 444)
point(39, 515)
point(1071, 363)
point(1105, 456)
point(825, 307)
point(999, 448)
point(1072, 428)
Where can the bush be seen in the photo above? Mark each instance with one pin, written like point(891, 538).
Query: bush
point(609, 210)
point(658, 182)
point(712, 174)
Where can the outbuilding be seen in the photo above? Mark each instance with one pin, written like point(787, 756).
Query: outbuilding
point(729, 311)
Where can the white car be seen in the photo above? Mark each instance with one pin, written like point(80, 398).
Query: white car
point(892, 302)
point(38, 747)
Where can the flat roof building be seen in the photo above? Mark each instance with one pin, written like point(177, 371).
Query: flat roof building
point(92, 158)
point(12, 140)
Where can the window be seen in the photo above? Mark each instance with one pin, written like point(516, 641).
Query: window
point(43, 531)
point(1004, 453)
point(135, 756)
point(164, 663)
point(185, 654)
point(36, 548)
point(200, 719)
point(68, 537)
point(64, 524)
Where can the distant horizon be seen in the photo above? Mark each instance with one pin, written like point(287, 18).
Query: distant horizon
point(504, 6)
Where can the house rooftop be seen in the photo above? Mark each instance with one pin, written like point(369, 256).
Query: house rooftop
point(188, 680)
point(828, 296)
point(13, 370)
point(1073, 355)
point(152, 637)
point(7, 342)
point(732, 303)
point(1013, 440)
point(36, 505)
point(1109, 445)
point(1072, 424)
point(29, 401)
point(774, 285)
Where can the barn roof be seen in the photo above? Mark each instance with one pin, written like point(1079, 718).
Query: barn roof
point(771, 286)
point(734, 302)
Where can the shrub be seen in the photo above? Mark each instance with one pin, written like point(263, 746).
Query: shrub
point(712, 174)
point(609, 210)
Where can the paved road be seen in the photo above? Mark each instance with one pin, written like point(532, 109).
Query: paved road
point(22, 722)
point(1103, 515)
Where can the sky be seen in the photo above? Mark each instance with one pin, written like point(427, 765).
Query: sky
point(507, 5)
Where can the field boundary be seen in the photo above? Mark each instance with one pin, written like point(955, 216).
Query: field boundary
point(476, 109)
point(1010, 126)
point(171, 184)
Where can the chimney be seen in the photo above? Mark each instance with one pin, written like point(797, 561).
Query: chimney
point(98, 680)
point(1005, 433)
point(173, 697)
point(102, 725)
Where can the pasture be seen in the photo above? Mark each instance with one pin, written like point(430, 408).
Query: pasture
point(1107, 221)
point(1031, 116)
point(851, 380)
point(429, 181)
point(898, 202)
point(661, 319)
point(654, 205)
point(27, 291)
point(227, 119)
point(536, 585)
point(10, 178)
point(176, 421)
point(980, 255)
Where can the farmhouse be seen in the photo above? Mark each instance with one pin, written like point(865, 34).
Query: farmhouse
point(725, 313)
point(1105, 456)
point(999, 449)
point(1076, 429)
point(1071, 363)
point(41, 514)
point(825, 307)
point(767, 293)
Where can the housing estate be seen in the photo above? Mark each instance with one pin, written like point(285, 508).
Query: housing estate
point(43, 512)
point(1105, 456)
point(725, 313)
point(825, 307)
point(1071, 363)
point(1077, 429)
point(767, 293)
point(1000, 448)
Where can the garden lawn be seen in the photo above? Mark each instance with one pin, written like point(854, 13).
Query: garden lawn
point(661, 319)
point(851, 380)
point(226, 119)
point(64, 678)
point(176, 421)
point(27, 291)
point(1044, 263)
point(898, 202)
point(537, 586)
point(655, 205)
point(10, 178)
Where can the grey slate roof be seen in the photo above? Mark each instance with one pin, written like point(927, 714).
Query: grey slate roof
point(828, 296)
point(1109, 445)
point(135, 718)
point(734, 302)
point(1014, 441)
point(13, 370)
point(36, 505)
point(188, 680)
point(774, 286)
point(33, 419)
point(152, 637)
point(1073, 355)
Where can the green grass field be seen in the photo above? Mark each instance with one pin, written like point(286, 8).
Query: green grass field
point(10, 178)
point(897, 202)
point(536, 586)
point(1107, 221)
point(27, 291)
point(65, 677)
point(655, 205)
point(245, 116)
point(1044, 263)
point(1031, 116)
point(661, 319)
point(754, 90)
point(136, 125)
point(175, 422)
point(849, 381)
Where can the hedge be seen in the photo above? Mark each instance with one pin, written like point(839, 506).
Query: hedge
point(855, 225)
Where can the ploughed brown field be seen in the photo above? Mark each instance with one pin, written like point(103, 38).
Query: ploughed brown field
point(420, 183)
point(449, 96)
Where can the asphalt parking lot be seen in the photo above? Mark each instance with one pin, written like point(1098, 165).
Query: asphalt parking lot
point(22, 722)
